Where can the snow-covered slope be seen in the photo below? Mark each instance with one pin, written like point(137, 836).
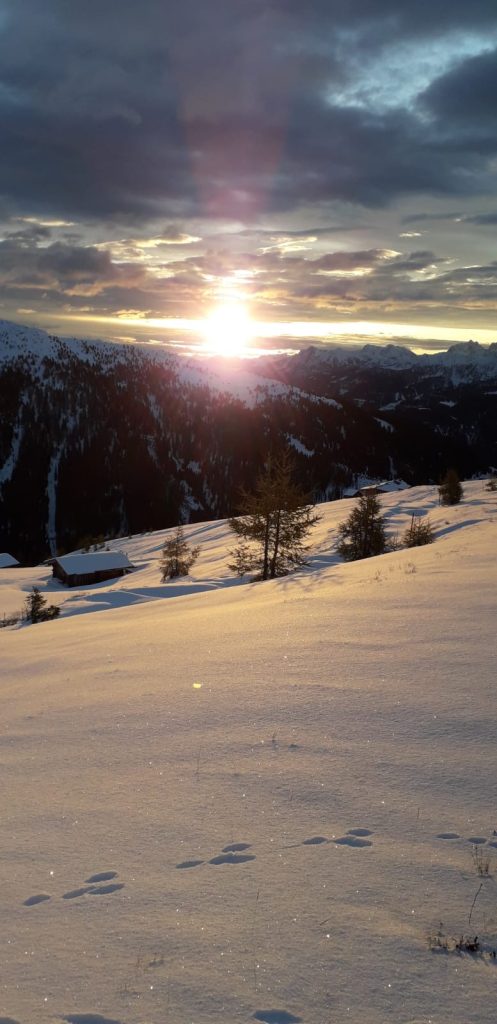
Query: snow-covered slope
point(256, 802)
point(233, 377)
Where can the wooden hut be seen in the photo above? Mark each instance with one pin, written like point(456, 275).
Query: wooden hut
point(93, 567)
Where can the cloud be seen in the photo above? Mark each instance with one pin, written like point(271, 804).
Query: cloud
point(483, 219)
point(465, 98)
point(227, 109)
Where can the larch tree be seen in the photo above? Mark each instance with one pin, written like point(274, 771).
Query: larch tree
point(177, 556)
point(275, 524)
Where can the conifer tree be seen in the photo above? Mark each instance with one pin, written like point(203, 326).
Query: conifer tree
point(450, 490)
point(419, 532)
point(177, 556)
point(363, 533)
point(275, 523)
point(36, 608)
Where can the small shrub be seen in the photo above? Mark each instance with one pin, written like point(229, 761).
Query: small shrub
point(482, 861)
point(418, 533)
point(439, 939)
point(36, 608)
point(491, 484)
point(10, 620)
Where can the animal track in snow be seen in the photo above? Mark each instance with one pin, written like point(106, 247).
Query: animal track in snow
point(232, 858)
point(355, 837)
point(8, 1020)
point(315, 841)
point(89, 1018)
point(101, 876)
point(104, 890)
point(93, 890)
point(276, 1017)
point(74, 893)
point(83, 890)
point(474, 840)
point(42, 897)
point(232, 853)
point(354, 841)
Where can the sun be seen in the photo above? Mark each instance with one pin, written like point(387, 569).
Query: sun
point(228, 330)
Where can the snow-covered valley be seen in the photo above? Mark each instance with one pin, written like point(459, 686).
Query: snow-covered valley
point(227, 802)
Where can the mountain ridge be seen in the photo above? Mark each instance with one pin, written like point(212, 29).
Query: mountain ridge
point(106, 438)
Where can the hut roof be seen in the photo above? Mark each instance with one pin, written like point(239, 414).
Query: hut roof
point(93, 561)
point(7, 561)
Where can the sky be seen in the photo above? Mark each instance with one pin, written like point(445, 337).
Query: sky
point(328, 165)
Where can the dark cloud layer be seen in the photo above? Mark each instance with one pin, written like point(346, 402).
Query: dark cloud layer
point(134, 133)
point(229, 108)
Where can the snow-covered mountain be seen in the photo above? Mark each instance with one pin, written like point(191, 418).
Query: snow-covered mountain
point(101, 438)
point(267, 803)
point(473, 359)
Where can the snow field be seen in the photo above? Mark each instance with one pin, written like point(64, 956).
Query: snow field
point(332, 725)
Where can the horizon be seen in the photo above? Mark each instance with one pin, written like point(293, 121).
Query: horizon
point(187, 340)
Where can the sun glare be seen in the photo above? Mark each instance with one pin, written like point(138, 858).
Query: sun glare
point(228, 330)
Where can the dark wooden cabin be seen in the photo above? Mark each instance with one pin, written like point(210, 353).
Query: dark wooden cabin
point(93, 567)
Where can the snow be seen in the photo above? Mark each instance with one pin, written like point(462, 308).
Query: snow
point(7, 561)
point(298, 445)
point(52, 501)
point(95, 561)
point(385, 425)
point(230, 805)
point(9, 465)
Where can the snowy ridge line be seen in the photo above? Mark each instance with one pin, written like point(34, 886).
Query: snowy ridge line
point(210, 574)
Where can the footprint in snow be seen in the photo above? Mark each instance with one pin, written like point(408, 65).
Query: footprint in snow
point(315, 841)
point(232, 858)
point(276, 1017)
point(448, 835)
point(101, 876)
point(230, 854)
point(42, 897)
point(89, 1018)
point(104, 890)
point(477, 840)
point(74, 893)
point(95, 890)
point(8, 1020)
point(354, 841)
point(355, 837)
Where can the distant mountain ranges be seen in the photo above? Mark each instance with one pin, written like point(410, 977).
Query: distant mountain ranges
point(101, 438)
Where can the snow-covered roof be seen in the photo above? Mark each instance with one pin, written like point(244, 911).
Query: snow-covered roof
point(7, 561)
point(93, 561)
